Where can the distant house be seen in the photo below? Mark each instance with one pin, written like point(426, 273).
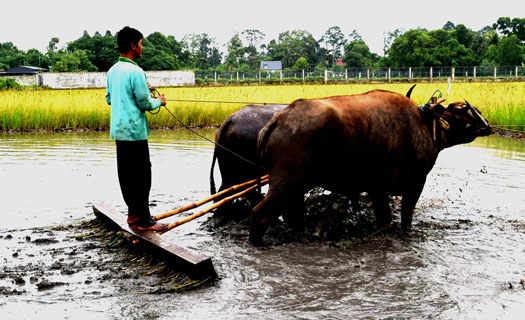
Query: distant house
point(271, 65)
point(23, 70)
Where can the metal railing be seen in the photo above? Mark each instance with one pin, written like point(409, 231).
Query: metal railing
point(461, 73)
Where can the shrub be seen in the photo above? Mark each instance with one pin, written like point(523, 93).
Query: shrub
point(9, 83)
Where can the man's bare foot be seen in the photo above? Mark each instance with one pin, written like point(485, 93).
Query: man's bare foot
point(157, 227)
point(149, 225)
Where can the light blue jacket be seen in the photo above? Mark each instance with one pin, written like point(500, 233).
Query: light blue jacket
point(128, 94)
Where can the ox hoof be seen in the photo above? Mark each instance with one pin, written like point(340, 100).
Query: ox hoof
point(257, 241)
point(406, 228)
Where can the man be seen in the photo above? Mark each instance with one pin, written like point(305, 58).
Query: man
point(128, 94)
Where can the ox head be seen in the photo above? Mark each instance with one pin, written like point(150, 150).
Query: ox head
point(463, 123)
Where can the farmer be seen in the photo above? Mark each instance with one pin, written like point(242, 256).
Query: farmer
point(128, 94)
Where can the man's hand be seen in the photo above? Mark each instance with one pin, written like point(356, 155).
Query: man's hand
point(163, 99)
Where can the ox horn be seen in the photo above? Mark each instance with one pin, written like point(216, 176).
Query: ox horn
point(476, 114)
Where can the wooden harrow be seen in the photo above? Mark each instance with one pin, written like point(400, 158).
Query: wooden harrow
point(191, 262)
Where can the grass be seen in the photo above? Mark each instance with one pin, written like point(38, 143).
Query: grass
point(502, 103)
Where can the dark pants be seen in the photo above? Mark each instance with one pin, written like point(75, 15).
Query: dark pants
point(134, 175)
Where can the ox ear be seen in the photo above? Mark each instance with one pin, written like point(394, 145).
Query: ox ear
point(437, 109)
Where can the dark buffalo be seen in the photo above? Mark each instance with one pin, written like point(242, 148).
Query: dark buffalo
point(239, 133)
point(377, 142)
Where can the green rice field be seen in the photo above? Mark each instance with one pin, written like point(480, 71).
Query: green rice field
point(502, 103)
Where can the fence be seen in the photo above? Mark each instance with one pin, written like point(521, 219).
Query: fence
point(190, 78)
point(474, 73)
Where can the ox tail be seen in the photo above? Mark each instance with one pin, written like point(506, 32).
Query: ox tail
point(410, 91)
point(213, 190)
point(262, 140)
point(219, 140)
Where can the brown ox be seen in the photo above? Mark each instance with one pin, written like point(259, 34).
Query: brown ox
point(377, 142)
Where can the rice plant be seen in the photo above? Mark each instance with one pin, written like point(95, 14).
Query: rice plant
point(502, 103)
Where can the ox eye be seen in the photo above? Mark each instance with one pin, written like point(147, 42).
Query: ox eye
point(469, 111)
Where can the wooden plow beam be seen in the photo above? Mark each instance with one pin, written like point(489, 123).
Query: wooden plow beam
point(191, 262)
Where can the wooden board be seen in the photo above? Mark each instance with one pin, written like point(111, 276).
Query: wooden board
point(191, 262)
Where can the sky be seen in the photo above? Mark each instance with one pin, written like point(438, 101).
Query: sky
point(32, 24)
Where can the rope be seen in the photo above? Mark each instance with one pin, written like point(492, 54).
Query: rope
point(217, 101)
point(155, 93)
point(205, 138)
point(504, 127)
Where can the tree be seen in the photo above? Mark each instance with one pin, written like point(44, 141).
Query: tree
point(453, 53)
point(449, 26)
point(357, 54)
point(253, 38)
point(336, 39)
point(301, 64)
point(411, 49)
point(72, 62)
point(510, 27)
point(35, 58)
point(102, 51)
point(204, 52)
point(291, 45)
point(235, 52)
point(161, 53)
point(464, 35)
point(389, 37)
point(509, 51)
point(10, 56)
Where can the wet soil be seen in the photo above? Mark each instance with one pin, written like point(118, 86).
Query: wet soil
point(82, 258)
point(464, 258)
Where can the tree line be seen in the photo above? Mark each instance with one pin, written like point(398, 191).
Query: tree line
point(499, 44)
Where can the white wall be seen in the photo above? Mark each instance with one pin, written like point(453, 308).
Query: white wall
point(71, 80)
point(25, 80)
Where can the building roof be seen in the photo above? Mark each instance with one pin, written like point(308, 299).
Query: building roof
point(271, 65)
point(24, 70)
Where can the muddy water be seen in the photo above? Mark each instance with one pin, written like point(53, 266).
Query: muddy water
point(464, 259)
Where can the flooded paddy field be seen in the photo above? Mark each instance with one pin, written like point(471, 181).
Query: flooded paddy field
point(464, 259)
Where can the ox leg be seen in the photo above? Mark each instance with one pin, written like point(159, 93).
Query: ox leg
point(382, 208)
point(293, 214)
point(267, 210)
point(280, 199)
point(408, 204)
point(354, 198)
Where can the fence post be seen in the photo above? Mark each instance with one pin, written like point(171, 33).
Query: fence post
point(368, 74)
point(431, 74)
point(303, 75)
point(325, 76)
point(409, 72)
point(516, 72)
point(281, 76)
point(215, 77)
point(346, 74)
point(237, 74)
point(495, 72)
point(453, 73)
point(389, 74)
point(475, 73)
point(259, 76)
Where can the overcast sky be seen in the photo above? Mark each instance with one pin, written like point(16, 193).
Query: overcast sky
point(32, 24)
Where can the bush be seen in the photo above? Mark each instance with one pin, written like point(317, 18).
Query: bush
point(292, 79)
point(9, 83)
point(315, 79)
